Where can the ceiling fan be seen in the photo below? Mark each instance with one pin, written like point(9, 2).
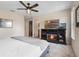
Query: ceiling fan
point(28, 7)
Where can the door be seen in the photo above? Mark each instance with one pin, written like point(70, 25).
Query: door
point(30, 28)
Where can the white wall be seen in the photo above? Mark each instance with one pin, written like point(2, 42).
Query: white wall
point(18, 24)
point(62, 15)
point(75, 31)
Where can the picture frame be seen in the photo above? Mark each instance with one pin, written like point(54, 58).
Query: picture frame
point(51, 24)
point(77, 16)
point(6, 23)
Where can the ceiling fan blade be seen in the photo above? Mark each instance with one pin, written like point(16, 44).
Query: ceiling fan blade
point(21, 9)
point(34, 10)
point(35, 5)
point(23, 4)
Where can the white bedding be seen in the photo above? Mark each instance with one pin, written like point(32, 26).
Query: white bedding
point(34, 41)
point(15, 48)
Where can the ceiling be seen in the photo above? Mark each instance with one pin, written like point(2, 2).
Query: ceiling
point(44, 6)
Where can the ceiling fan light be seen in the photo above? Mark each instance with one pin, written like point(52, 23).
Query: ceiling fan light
point(28, 11)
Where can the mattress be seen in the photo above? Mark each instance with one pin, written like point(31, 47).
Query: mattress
point(16, 48)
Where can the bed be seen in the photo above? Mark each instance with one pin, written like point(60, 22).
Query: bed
point(14, 48)
point(44, 45)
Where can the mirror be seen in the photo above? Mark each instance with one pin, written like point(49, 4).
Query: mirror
point(5, 23)
point(77, 16)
